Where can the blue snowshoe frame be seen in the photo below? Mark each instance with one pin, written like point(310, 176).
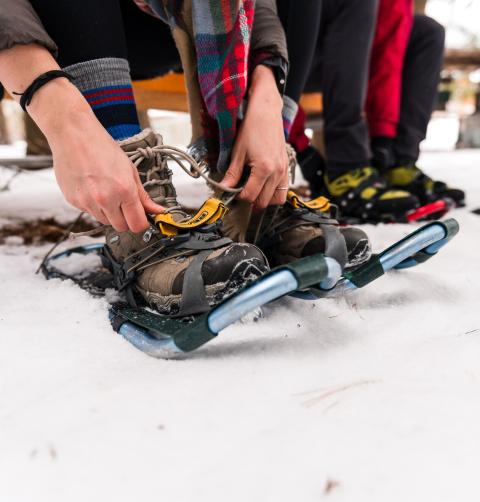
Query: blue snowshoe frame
point(314, 277)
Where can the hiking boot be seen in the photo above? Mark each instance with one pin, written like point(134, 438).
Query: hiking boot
point(409, 177)
point(178, 272)
point(299, 229)
point(363, 195)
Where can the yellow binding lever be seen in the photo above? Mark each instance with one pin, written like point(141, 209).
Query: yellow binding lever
point(319, 204)
point(211, 211)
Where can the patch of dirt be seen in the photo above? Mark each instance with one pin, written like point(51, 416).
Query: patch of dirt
point(40, 231)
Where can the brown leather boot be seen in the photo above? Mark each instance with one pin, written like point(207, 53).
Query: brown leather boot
point(299, 229)
point(180, 274)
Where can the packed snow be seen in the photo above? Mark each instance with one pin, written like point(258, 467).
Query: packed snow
point(374, 396)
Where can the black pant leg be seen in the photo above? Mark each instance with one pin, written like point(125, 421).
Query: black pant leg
point(301, 22)
point(341, 73)
point(85, 30)
point(93, 29)
point(421, 76)
point(151, 49)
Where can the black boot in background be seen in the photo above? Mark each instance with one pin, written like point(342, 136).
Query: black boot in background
point(312, 165)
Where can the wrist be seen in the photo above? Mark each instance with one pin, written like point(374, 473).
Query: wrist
point(263, 84)
point(57, 105)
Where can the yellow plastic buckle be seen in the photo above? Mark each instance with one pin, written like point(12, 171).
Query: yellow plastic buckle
point(211, 211)
point(319, 204)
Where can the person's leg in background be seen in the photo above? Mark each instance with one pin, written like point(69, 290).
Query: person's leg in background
point(93, 49)
point(342, 73)
point(345, 53)
point(339, 69)
point(104, 55)
point(151, 50)
point(421, 77)
point(122, 44)
point(394, 26)
point(301, 22)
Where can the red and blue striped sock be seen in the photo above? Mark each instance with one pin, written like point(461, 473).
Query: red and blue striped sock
point(107, 86)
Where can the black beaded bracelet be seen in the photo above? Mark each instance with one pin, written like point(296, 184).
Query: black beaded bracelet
point(40, 81)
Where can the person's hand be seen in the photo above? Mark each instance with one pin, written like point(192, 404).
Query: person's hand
point(96, 176)
point(260, 145)
point(93, 172)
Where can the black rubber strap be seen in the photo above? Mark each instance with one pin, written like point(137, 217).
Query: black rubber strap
point(194, 299)
point(40, 81)
point(117, 321)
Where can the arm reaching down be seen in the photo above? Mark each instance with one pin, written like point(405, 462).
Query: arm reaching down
point(91, 169)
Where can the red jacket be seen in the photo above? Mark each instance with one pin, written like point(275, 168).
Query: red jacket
point(394, 25)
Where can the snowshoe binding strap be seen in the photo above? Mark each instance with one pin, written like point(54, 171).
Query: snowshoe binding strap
point(319, 204)
point(211, 212)
point(197, 236)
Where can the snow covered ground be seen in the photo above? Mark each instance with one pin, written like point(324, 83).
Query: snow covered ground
point(370, 397)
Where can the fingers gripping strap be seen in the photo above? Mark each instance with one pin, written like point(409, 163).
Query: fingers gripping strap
point(335, 246)
point(194, 299)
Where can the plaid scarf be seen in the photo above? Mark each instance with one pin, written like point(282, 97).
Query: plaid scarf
point(221, 32)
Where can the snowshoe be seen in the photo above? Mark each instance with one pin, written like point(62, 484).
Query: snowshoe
point(314, 276)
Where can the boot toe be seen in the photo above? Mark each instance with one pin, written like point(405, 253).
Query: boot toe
point(240, 261)
point(358, 245)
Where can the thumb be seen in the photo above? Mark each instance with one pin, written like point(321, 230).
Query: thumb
point(234, 172)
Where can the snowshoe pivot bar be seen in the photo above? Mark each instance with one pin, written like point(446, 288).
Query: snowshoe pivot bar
point(414, 249)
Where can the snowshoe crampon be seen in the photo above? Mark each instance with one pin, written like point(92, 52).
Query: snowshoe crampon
point(164, 337)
